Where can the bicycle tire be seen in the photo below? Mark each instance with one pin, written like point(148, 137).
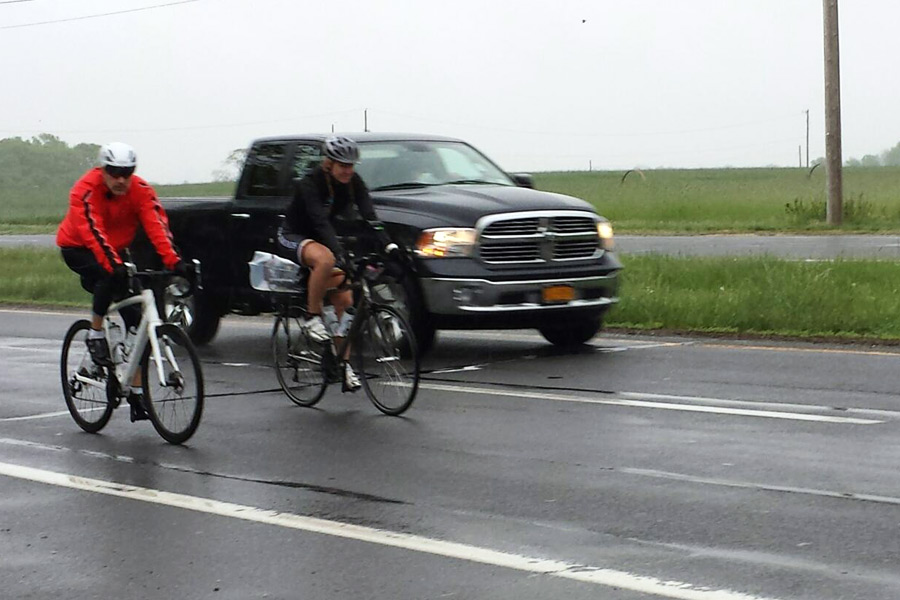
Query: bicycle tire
point(297, 362)
point(90, 405)
point(176, 404)
point(387, 360)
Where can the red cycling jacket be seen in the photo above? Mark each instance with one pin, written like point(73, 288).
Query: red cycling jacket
point(106, 224)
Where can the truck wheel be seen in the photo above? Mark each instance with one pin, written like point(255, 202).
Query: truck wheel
point(407, 300)
point(196, 314)
point(571, 332)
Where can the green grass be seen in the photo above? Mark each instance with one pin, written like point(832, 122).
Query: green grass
point(41, 211)
point(761, 295)
point(844, 299)
point(733, 200)
point(38, 276)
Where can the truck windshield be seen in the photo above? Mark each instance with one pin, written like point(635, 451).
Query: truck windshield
point(409, 164)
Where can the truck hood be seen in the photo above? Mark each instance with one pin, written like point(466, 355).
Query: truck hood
point(462, 205)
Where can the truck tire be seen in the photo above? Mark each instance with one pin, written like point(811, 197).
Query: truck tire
point(573, 331)
point(196, 314)
point(408, 301)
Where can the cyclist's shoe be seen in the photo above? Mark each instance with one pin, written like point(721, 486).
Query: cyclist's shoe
point(99, 351)
point(138, 413)
point(316, 330)
point(351, 381)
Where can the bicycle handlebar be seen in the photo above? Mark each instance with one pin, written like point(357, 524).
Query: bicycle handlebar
point(194, 279)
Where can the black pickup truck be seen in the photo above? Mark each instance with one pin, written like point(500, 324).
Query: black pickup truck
point(489, 250)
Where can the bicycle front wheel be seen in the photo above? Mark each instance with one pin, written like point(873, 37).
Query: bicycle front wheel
point(387, 360)
point(84, 383)
point(175, 401)
point(298, 362)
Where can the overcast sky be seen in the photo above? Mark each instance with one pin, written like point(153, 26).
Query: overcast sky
point(535, 84)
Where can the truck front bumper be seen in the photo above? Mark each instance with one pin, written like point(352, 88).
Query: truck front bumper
point(461, 296)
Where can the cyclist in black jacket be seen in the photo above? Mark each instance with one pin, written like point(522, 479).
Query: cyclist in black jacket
point(332, 199)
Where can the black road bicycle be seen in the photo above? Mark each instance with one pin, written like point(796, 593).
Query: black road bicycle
point(382, 345)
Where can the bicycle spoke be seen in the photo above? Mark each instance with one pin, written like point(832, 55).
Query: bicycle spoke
point(175, 400)
point(298, 362)
point(387, 360)
point(84, 383)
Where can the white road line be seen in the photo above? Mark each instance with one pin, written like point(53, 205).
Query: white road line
point(769, 414)
point(34, 417)
point(14, 348)
point(761, 486)
point(576, 572)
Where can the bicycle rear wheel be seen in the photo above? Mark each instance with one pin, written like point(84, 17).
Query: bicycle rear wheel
point(387, 360)
point(175, 402)
point(84, 383)
point(298, 362)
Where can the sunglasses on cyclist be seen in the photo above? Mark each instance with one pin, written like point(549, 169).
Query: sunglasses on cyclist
point(113, 171)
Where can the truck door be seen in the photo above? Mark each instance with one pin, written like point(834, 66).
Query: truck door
point(263, 195)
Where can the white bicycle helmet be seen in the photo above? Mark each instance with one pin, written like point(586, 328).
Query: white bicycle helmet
point(341, 149)
point(117, 154)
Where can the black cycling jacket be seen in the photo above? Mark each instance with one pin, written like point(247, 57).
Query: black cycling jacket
point(316, 213)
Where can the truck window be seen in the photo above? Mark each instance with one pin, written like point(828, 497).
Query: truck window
point(306, 158)
point(262, 169)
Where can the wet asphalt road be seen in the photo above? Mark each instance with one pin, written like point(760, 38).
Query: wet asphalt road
point(638, 468)
point(786, 246)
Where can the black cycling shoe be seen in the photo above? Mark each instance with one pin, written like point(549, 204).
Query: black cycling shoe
point(99, 351)
point(138, 413)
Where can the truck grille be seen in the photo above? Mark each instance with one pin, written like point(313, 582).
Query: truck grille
point(538, 238)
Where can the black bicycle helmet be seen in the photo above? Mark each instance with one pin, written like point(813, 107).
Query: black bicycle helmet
point(341, 149)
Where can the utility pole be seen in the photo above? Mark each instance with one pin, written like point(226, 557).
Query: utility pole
point(800, 156)
point(807, 138)
point(834, 210)
point(366, 119)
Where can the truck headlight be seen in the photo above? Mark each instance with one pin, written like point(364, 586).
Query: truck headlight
point(605, 231)
point(445, 242)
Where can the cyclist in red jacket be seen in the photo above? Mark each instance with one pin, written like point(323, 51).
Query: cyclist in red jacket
point(105, 208)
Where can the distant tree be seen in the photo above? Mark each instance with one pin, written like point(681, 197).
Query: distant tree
point(36, 174)
point(852, 162)
point(870, 160)
point(231, 166)
point(891, 158)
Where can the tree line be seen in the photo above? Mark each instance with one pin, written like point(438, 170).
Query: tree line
point(36, 175)
point(888, 158)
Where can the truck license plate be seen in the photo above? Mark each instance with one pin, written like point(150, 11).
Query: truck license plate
point(558, 293)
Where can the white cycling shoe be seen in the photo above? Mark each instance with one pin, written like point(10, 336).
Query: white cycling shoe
point(351, 381)
point(316, 330)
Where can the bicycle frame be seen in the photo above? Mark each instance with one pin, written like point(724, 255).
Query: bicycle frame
point(146, 332)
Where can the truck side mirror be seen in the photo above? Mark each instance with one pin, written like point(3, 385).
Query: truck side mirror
point(524, 180)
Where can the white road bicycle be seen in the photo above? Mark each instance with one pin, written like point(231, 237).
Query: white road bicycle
point(171, 376)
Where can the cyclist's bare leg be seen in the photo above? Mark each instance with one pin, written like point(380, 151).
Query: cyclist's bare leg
point(320, 261)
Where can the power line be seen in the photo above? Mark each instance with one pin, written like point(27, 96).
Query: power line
point(119, 12)
point(14, 1)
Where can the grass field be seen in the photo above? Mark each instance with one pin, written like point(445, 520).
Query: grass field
point(41, 212)
point(849, 300)
point(733, 200)
point(653, 201)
